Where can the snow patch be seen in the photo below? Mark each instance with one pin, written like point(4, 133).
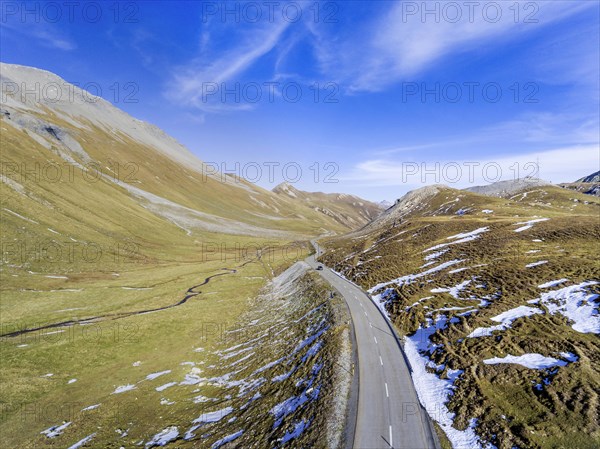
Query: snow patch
point(435, 255)
point(123, 389)
point(227, 439)
point(290, 405)
point(54, 431)
point(165, 386)
point(506, 319)
point(528, 224)
point(164, 437)
point(299, 427)
point(410, 277)
point(462, 238)
point(91, 407)
point(553, 283)
point(569, 356)
point(20, 216)
point(215, 416)
point(432, 391)
point(465, 235)
point(155, 375)
point(535, 264)
point(575, 304)
point(82, 441)
point(453, 291)
point(532, 361)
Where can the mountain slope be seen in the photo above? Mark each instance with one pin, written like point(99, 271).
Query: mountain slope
point(126, 262)
point(594, 177)
point(497, 300)
point(589, 185)
point(347, 210)
point(504, 189)
point(137, 160)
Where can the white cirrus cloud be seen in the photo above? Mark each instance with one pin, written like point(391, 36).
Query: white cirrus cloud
point(564, 164)
point(399, 44)
point(190, 84)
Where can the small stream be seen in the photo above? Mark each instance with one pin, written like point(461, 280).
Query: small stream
point(190, 293)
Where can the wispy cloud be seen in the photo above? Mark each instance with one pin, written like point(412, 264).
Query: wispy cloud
point(539, 130)
point(43, 33)
point(546, 128)
point(367, 52)
point(555, 147)
point(408, 148)
point(188, 84)
point(53, 40)
point(571, 58)
point(397, 44)
point(564, 164)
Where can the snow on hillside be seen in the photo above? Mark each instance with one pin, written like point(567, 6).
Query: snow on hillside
point(432, 391)
point(577, 305)
point(529, 224)
point(435, 383)
point(257, 374)
point(533, 361)
point(505, 319)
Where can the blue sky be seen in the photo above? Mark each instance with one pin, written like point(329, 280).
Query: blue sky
point(405, 97)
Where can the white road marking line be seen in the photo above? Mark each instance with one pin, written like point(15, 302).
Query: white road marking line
point(381, 360)
point(366, 314)
point(387, 393)
point(391, 438)
point(375, 338)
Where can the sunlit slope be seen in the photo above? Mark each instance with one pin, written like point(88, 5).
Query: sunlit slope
point(122, 255)
point(134, 159)
point(348, 210)
point(498, 301)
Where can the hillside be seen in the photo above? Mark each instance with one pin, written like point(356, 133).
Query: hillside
point(124, 260)
point(82, 145)
point(497, 301)
point(347, 210)
point(594, 177)
point(505, 189)
point(589, 185)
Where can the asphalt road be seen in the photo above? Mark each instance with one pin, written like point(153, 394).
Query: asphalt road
point(389, 414)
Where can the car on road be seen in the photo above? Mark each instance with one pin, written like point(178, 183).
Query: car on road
point(319, 268)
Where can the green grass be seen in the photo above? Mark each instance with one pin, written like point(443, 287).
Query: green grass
point(103, 359)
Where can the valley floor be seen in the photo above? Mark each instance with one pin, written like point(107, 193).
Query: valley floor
point(261, 365)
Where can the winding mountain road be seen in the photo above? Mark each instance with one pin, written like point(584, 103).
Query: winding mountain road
point(389, 414)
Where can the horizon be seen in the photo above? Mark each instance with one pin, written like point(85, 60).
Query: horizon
point(378, 113)
point(237, 174)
